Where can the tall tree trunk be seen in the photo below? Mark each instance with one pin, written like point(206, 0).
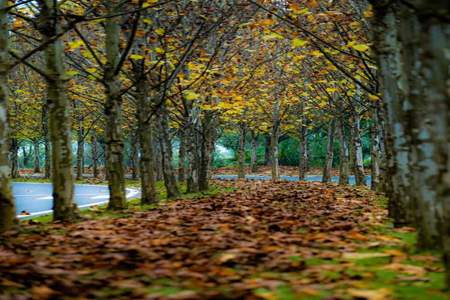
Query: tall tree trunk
point(7, 208)
point(344, 167)
point(80, 149)
point(241, 152)
point(360, 177)
point(134, 155)
point(145, 135)
point(147, 163)
point(193, 157)
point(303, 152)
point(254, 153)
point(165, 143)
point(113, 111)
point(435, 40)
point(274, 136)
point(267, 150)
point(94, 154)
point(14, 157)
point(59, 115)
point(387, 48)
point(182, 157)
point(207, 148)
point(158, 158)
point(326, 176)
point(36, 161)
point(45, 133)
point(375, 153)
point(26, 157)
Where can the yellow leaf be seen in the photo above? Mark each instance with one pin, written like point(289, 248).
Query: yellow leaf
point(298, 43)
point(148, 21)
point(160, 31)
point(190, 95)
point(136, 56)
point(316, 53)
point(361, 47)
point(159, 50)
point(149, 3)
point(273, 36)
point(75, 44)
point(71, 73)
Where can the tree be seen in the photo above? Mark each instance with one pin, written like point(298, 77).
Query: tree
point(7, 208)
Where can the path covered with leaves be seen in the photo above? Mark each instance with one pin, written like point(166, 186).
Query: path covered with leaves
point(263, 241)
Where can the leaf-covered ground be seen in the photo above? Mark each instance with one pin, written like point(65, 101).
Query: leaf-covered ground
point(263, 241)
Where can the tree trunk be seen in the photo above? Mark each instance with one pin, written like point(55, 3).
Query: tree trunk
point(45, 133)
point(147, 164)
point(134, 155)
point(344, 167)
point(36, 161)
point(207, 148)
point(303, 153)
point(193, 157)
point(59, 116)
point(375, 153)
point(113, 111)
point(7, 208)
point(387, 48)
point(14, 158)
point(94, 149)
point(267, 150)
point(254, 153)
point(274, 136)
point(158, 158)
point(360, 177)
point(241, 152)
point(182, 157)
point(435, 37)
point(326, 177)
point(145, 135)
point(80, 149)
point(165, 143)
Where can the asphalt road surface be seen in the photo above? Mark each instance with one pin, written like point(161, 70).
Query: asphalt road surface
point(36, 198)
point(288, 178)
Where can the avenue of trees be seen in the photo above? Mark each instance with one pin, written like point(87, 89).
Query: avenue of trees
point(156, 73)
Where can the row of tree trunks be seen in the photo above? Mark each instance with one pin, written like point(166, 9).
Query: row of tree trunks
point(7, 208)
point(412, 42)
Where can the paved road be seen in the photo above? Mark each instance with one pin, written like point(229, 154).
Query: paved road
point(36, 198)
point(287, 178)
